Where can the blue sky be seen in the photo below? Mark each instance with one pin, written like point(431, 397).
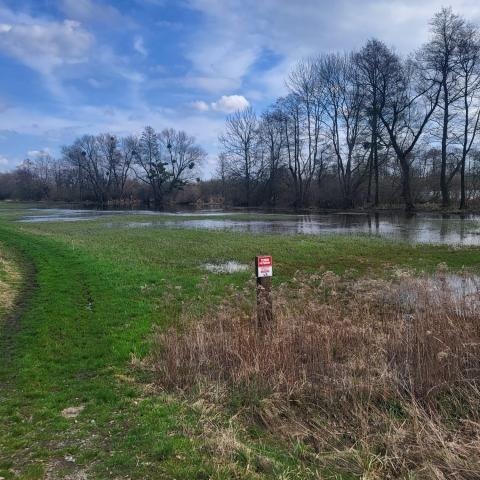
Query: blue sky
point(70, 67)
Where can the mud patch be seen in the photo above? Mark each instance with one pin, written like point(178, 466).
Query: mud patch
point(72, 412)
point(65, 469)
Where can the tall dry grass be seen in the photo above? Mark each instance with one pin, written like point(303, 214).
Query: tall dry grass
point(376, 377)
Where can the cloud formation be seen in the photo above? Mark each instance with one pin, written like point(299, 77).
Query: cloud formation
point(45, 45)
point(241, 32)
point(225, 104)
point(230, 103)
point(105, 65)
point(92, 11)
point(201, 106)
point(139, 46)
point(39, 153)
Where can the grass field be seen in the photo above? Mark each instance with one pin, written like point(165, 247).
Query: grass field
point(79, 334)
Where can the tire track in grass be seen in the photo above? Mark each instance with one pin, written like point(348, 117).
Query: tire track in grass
point(17, 281)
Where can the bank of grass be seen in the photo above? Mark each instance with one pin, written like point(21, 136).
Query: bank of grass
point(100, 295)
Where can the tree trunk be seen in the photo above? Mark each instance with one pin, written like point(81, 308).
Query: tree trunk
point(375, 168)
point(370, 173)
point(443, 172)
point(157, 198)
point(406, 185)
point(463, 200)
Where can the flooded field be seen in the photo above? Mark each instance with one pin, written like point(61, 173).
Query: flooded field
point(451, 229)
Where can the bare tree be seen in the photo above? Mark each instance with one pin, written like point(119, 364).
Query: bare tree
point(150, 166)
point(304, 106)
point(343, 99)
point(239, 143)
point(222, 173)
point(128, 147)
point(272, 136)
point(370, 64)
point(469, 107)
point(406, 107)
point(85, 154)
point(440, 61)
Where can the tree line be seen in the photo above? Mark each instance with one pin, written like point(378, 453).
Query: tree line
point(103, 169)
point(368, 127)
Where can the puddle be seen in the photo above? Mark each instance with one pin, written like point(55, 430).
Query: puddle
point(227, 267)
point(462, 285)
point(461, 289)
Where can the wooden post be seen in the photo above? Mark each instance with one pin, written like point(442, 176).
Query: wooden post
point(263, 272)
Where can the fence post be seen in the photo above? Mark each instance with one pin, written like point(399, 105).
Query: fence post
point(263, 272)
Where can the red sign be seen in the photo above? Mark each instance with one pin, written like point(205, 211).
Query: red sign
point(265, 261)
point(264, 266)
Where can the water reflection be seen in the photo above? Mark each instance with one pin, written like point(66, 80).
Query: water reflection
point(420, 228)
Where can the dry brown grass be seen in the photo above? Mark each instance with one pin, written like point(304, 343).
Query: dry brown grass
point(378, 378)
point(10, 282)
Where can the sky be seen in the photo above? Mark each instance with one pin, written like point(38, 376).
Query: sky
point(71, 67)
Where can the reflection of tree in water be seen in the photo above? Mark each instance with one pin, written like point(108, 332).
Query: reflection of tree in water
point(462, 232)
point(444, 226)
point(376, 222)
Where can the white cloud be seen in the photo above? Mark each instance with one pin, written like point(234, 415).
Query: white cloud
point(92, 11)
point(225, 104)
point(39, 153)
point(201, 106)
point(63, 50)
point(230, 103)
point(139, 46)
point(239, 33)
point(32, 127)
point(8, 163)
point(46, 45)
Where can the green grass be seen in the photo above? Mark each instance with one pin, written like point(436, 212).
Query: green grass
point(99, 293)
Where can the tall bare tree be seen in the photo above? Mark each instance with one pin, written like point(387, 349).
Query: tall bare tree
point(469, 105)
point(343, 100)
point(272, 136)
point(441, 62)
point(407, 106)
point(305, 108)
point(370, 63)
point(239, 143)
point(150, 166)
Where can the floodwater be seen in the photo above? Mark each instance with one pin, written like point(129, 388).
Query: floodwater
point(451, 229)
